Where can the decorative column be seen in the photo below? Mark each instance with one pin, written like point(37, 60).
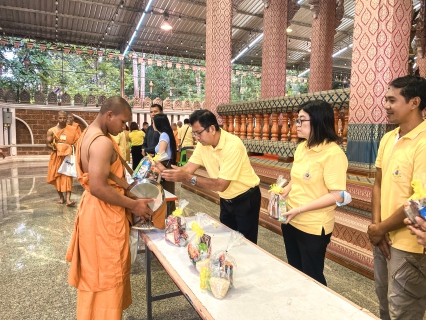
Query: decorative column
point(420, 40)
point(327, 16)
point(218, 54)
point(277, 14)
point(135, 76)
point(380, 54)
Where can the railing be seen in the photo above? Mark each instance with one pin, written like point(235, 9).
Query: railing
point(268, 126)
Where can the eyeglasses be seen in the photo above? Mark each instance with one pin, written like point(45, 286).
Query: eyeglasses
point(299, 122)
point(195, 133)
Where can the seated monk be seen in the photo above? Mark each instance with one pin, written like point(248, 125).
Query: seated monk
point(60, 139)
point(70, 122)
point(99, 249)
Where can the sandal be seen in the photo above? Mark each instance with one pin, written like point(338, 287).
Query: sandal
point(71, 204)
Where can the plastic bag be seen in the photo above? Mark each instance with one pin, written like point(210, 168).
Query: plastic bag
point(200, 248)
point(277, 203)
point(147, 167)
point(221, 272)
point(176, 226)
point(68, 167)
point(133, 242)
point(415, 206)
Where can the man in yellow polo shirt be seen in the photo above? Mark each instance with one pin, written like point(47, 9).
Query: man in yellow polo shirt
point(399, 261)
point(230, 173)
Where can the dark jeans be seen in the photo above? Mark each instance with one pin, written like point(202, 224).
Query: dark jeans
point(306, 252)
point(136, 156)
point(242, 214)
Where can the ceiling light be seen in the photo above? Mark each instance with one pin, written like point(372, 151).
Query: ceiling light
point(289, 29)
point(166, 25)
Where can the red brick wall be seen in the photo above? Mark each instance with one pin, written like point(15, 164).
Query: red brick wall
point(40, 121)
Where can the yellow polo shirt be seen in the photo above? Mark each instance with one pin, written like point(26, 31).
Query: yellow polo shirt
point(188, 141)
point(228, 161)
point(400, 161)
point(314, 173)
point(137, 137)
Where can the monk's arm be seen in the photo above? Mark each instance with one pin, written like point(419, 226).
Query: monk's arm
point(101, 155)
point(49, 140)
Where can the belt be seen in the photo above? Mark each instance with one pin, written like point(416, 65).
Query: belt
point(241, 196)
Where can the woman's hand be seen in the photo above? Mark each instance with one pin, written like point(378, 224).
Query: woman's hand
point(292, 213)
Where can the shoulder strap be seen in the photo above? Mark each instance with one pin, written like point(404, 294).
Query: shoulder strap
point(96, 135)
point(184, 136)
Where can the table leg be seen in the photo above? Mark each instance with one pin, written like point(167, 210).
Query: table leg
point(148, 283)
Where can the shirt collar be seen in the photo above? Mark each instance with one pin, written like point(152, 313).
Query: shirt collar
point(317, 148)
point(221, 142)
point(415, 132)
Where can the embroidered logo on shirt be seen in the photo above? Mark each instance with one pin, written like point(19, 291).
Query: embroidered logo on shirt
point(307, 175)
point(396, 173)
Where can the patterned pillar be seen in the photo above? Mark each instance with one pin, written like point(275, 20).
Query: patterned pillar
point(274, 53)
point(323, 30)
point(380, 54)
point(420, 39)
point(421, 62)
point(218, 54)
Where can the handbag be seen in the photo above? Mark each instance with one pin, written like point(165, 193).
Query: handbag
point(68, 167)
point(181, 142)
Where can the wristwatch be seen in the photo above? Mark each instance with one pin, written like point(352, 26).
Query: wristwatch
point(193, 180)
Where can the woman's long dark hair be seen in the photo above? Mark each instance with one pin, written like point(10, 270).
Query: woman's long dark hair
point(162, 124)
point(321, 118)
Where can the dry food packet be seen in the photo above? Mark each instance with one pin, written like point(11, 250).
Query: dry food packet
point(222, 266)
point(199, 248)
point(277, 203)
point(176, 226)
point(416, 204)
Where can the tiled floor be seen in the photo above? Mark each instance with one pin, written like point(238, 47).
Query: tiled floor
point(34, 234)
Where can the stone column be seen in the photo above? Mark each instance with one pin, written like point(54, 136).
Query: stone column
point(380, 54)
point(420, 39)
point(421, 62)
point(323, 31)
point(274, 53)
point(218, 54)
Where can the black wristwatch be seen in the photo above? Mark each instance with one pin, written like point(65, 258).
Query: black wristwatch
point(193, 180)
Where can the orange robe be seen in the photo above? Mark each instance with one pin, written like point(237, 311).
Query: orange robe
point(99, 250)
point(62, 139)
point(77, 126)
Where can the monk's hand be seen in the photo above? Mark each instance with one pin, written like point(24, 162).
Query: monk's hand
point(176, 174)
point(141, 208)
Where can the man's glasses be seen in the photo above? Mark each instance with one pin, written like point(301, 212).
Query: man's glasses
point(195, 133)
point(299, 122)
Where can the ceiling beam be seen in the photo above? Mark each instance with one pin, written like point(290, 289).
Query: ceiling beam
point(307, 7)
point(203, 4)
point(107, 5)
point(61, 15)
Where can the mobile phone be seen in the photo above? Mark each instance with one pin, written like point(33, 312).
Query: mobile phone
point(414, 209)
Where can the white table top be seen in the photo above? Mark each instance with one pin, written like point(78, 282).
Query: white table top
point(169, 196)
point(264, 286)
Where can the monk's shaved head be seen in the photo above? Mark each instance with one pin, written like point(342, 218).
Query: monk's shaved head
point(115, 104)
point(62, 112)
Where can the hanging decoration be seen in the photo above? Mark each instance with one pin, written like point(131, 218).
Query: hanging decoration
point(78, 50)
point(17, 43)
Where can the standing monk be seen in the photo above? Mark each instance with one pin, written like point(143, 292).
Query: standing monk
point(70, 122)
point(99, 250)
point(60, 139)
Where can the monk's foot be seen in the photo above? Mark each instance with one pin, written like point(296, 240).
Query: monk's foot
point(71, 204)
point(61, 201)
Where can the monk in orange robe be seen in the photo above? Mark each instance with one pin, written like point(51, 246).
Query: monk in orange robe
point(99, 250)
point(70, 122)
point(60, 139)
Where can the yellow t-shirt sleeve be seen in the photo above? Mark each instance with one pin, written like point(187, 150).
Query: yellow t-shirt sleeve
point(380, 154)
point(231, 165)
point(196, 155)
point(335, 171)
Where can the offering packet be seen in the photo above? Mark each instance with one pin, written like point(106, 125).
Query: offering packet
point(147, 167)
point(200, 248)
point(415, 206)
point(176, 226)
point(277, 203)
point(222, 267)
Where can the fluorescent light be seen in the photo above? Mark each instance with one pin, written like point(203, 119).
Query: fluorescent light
point(304, 72)
point(289, 29)
point(138, 26)
point(340, 52)
point(248, 47)
point(417, 6)
point(299, 2)
point(166, 25)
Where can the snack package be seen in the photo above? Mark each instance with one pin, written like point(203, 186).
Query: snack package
point(416, 204)
point(200, 248)
point(222, 266)
point(277, 203)
point(147, 168)
point(176, 226)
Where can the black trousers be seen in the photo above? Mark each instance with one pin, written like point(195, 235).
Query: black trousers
point(169, 185)
point(242, 214)
point(136, 156)
point(306, 252)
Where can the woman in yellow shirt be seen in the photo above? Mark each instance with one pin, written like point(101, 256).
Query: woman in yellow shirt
point(136, 138)
point(318, 181)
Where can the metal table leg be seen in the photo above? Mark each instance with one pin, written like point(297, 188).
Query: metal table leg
point(148, 283)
